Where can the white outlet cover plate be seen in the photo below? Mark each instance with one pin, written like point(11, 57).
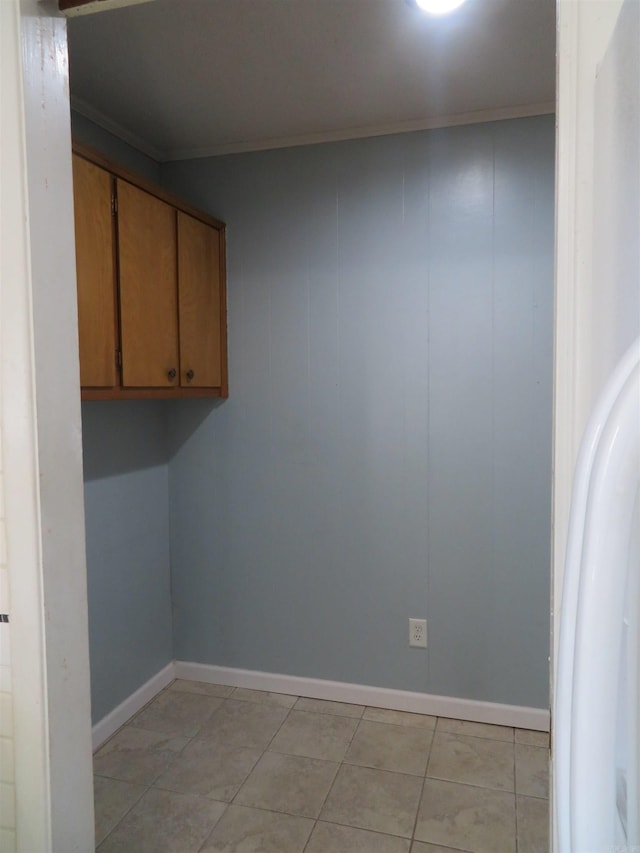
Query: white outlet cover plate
point(418, 633)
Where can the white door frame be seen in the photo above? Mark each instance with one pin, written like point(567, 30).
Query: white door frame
point(584, 32)
point(586, 346)
point(41, 438)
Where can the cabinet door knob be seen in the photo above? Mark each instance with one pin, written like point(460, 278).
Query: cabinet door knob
point(190, 375)
point(171, 373)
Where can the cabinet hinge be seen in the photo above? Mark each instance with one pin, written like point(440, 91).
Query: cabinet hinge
point(119, 359)
point(114, 204)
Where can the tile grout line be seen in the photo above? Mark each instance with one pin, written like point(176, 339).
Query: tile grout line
point(468, 785)
point(148, 787)
point(328, 713)
point(151, 785)
point(131, 807)
point(264, 751)
point(481, 787)
point(424, 783)
point(189, 741)
point(333, 782)
point(340, 764)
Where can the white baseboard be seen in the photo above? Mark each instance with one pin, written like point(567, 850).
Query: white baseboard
point(318, 688)
point(110, 724)
point(361, 694)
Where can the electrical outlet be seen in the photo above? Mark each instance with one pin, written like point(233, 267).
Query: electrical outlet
point(418, 633)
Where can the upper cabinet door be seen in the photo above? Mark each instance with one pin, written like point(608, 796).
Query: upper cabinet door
point(201, 298)
point(148, 289)
point(151, 288)
point(96, 274)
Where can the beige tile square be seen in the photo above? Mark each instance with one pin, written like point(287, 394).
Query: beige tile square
point(112, 800)
point(532, 818)
point(176, 713)
point(331, 838)
point(246, 830)
point(532, 771)
point(322, 706)
point(137, 755)
point(467, 818)
point(314, 735)
point(182, 685)
point(374, 799)
point(421, 847)
point(531, 738)
point(207, 768)
point(404, 749)
point(399, 718)
point(470, 729)
point(164, 822)
point(244, 724)
point(264, 697)
point(472, 761)
point(288, 783)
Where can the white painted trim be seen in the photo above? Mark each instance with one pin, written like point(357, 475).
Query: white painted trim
point(99, 6)
point(362, 694)
point(583, 35)
point(475, 117)
point(165, 156)
point(110, 724)
point(32, 801)
point(84, 109)
point(584, 32)
point(55, 380)
point(318, 688)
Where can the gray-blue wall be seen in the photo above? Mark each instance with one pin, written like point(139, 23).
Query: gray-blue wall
point(126, 515)
point(127, 523)
point(385, 450)
point(115, 149)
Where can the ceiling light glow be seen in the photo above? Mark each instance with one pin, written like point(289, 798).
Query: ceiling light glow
point(438, 7)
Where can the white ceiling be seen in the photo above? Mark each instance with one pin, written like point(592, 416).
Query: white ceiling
point(184, 78)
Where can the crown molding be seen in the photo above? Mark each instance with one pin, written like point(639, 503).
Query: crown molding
point(170, 155)
point(475, 117)
point(84, 109)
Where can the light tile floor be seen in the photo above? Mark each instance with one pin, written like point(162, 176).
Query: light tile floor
point(210, 769)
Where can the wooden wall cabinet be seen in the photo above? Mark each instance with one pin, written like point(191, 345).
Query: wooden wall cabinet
point(151, 288)
point(96, 274)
